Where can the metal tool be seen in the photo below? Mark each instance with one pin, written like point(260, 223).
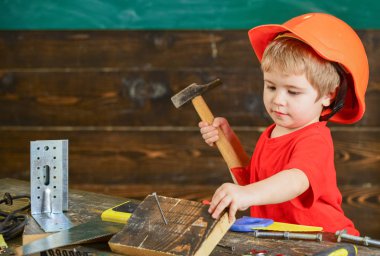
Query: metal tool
point(194, 93)
point(86, 232)
point(246, 224)
point(159, 207)
point(367, 241)
point(49, 184)
point(287, 235)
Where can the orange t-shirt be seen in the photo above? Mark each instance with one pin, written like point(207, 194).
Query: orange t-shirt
point(310, 150)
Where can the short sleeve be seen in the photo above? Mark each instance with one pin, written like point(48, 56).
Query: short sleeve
point(314, 155)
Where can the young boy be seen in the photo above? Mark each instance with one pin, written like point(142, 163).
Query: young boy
point(315, 69)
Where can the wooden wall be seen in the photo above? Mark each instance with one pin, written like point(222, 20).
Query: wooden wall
point(108, 93)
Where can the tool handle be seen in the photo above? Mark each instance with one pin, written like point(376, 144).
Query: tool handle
point(342, 249)
point(228, 152)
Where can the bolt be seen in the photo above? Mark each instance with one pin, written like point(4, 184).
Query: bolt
point(317, 237)
point(367, 241)
point(257, 233)
point(288, 235)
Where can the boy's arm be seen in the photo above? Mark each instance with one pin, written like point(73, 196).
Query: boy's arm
point(281, 187)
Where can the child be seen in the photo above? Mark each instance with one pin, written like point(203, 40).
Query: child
point(315, 69)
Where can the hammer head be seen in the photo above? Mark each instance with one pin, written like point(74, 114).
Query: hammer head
point(193, 91)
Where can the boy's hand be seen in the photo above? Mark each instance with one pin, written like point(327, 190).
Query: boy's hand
point(229, 195)
point(210, 132)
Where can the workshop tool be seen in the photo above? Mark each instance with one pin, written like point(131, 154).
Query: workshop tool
point(93, 230)
point(281, 226)
point(119, 213)
point(159, 207)
point(249, 224)
point(341, 250)
point(49, 184)
point(367, 241)
point(193, 93)
point(287, 235)
point(246, 224)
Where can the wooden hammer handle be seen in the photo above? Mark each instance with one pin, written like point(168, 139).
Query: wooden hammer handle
point(224, 146)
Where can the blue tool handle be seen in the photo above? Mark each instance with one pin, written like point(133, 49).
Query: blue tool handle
point(246, 224)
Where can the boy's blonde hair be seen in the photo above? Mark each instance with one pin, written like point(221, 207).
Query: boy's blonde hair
point(291, 56)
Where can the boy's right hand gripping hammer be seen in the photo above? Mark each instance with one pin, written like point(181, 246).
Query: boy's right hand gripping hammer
point(194, 93)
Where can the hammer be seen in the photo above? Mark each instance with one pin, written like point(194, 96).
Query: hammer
point(194, 93)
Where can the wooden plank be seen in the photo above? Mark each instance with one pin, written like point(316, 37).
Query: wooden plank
point(126, 98)
point(137, 98)
point(362, 205)
point(190, 229)
point(171, 156)
point(68, 77)
point(148, 49)
point(124, 49)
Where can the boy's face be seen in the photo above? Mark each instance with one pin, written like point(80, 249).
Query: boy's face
point(291, 101)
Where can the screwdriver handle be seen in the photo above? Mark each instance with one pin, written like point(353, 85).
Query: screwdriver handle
point(342, 249)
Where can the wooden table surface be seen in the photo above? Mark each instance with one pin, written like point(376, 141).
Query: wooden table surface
point(84, 206)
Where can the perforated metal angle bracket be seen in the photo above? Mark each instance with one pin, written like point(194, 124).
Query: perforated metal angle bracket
point(49, 184)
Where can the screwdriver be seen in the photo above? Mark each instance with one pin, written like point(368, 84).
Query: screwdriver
point(340, 250)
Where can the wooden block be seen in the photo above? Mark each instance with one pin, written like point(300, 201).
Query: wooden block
point(190, 230)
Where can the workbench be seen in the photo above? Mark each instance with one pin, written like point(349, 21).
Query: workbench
point(83, 206)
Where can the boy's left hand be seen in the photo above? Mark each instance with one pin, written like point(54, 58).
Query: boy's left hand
point(229, 195)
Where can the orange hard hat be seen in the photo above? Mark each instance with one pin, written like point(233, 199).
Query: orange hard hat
point(333, 40)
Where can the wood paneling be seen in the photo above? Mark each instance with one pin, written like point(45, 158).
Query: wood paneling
point(126, 49)
point(128, 98)
point(128, 77)
point(108, 93)
point(171, 156)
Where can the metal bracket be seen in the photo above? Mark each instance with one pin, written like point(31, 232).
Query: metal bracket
point(49, 184)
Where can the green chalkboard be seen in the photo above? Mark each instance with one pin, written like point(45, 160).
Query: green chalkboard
point(176, 14)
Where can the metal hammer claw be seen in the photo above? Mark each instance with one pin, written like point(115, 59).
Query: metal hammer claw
point(194, 93)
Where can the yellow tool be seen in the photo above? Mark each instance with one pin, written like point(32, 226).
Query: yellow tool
point(3, 244)
point(119, 213)
point(340, 250)
point(280, 226)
